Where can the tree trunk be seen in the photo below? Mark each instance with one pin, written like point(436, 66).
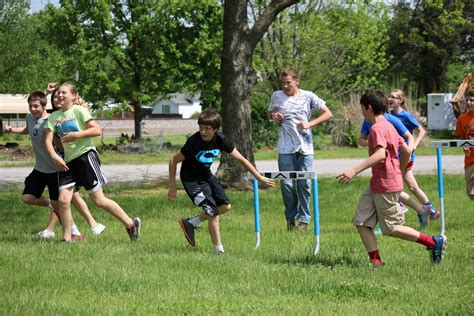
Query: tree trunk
point(237, 80)
point(137, 117)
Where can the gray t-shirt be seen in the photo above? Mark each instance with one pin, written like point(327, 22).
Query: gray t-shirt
point(295, 109)
point(43, 162)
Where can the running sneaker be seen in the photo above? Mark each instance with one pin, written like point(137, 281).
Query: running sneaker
point(434, 213)
point(188, 230)
point(134, 229)
point(45, 234)
point(437, 253)
point(97, 229)
point(424, 218)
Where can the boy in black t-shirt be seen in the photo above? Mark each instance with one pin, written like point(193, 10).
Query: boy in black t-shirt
point(204, 189)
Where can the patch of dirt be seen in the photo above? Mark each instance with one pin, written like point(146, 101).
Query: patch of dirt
point(17, 154)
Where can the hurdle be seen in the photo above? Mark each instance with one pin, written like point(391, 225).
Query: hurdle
point(439, 144)
point(283, 175)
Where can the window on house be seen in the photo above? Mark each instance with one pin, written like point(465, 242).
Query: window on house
point(166, 109)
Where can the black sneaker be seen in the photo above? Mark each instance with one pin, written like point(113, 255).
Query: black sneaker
point(188, 230)
point(134, 230)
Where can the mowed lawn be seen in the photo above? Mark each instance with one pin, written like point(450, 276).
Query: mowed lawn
point(162, 274)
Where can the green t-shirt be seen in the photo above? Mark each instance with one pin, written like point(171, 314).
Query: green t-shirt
point(73, 120)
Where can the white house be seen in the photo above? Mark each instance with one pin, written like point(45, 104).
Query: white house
point(16, 104)
point(178, 104)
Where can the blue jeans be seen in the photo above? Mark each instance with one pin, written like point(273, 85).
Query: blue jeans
point(296, 193)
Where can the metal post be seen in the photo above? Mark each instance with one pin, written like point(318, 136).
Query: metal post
point(440, 186)
point(256, 209)
point(314, 186)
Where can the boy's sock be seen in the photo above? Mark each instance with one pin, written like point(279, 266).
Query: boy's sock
point(374, 257)
point(75, 230)
point(219, 249)
point(426, 240)
point(195, 220)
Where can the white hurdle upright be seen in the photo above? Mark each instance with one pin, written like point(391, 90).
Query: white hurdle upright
point(282, 175)
point(442, 144)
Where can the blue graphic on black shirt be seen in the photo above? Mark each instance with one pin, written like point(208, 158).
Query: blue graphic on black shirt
point(207, 157)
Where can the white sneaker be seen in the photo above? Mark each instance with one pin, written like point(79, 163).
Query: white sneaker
point(45, 234)
point(97, 229)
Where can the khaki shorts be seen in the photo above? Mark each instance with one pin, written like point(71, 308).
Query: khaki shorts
point(381, 208)
point(469, 175)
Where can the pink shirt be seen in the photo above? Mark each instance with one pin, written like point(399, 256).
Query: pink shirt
point(386, 175)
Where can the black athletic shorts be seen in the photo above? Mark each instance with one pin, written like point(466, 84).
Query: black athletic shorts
point(83, 171)
point(37, 181)
point(209, 194)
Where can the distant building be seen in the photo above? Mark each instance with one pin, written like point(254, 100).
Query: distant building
point(13, 105)
point(178, 104)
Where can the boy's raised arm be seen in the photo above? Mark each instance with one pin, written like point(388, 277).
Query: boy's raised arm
point(235, 154)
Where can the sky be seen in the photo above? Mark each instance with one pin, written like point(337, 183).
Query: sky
point(37, 5)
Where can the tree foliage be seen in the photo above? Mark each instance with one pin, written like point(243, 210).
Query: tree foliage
point(338, 47)
point(28, 59)
point(427, 39)
point(134, 51)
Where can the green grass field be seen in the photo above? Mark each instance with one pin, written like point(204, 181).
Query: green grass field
point(162, 274)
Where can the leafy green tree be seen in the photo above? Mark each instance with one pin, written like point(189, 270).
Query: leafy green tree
point(427, 38)
point(134, 50)
point(338, 47)
point(28, 59)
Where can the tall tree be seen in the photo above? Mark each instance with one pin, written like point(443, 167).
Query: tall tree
point(336, 46)
point(134, 51)
point(426, 39)
point(28, 58)
point(238, 77)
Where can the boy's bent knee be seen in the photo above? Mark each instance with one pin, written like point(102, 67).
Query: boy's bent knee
point(224, 208)
point(28, 199)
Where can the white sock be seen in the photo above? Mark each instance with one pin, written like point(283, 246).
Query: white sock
point(195, 220)
point(75, 230)
point(219, 249)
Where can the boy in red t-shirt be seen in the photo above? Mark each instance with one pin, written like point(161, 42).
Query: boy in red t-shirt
point(379, 203)
point(465, 130)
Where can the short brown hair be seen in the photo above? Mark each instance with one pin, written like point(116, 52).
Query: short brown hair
point(37, 96)
point(210, 118)
point(290, 73)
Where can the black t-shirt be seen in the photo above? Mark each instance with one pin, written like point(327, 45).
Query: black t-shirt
point(200, 156)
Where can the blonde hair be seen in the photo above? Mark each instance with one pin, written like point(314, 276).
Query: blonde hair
point(77, 99)
point(399, 93)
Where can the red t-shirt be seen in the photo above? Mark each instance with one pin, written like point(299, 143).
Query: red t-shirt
point(465, 130)
point(386, 175)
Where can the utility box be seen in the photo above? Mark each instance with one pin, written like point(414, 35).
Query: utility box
point(440, 111)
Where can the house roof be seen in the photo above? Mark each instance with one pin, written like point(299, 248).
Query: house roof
point(178, 99)
point(16, 104)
